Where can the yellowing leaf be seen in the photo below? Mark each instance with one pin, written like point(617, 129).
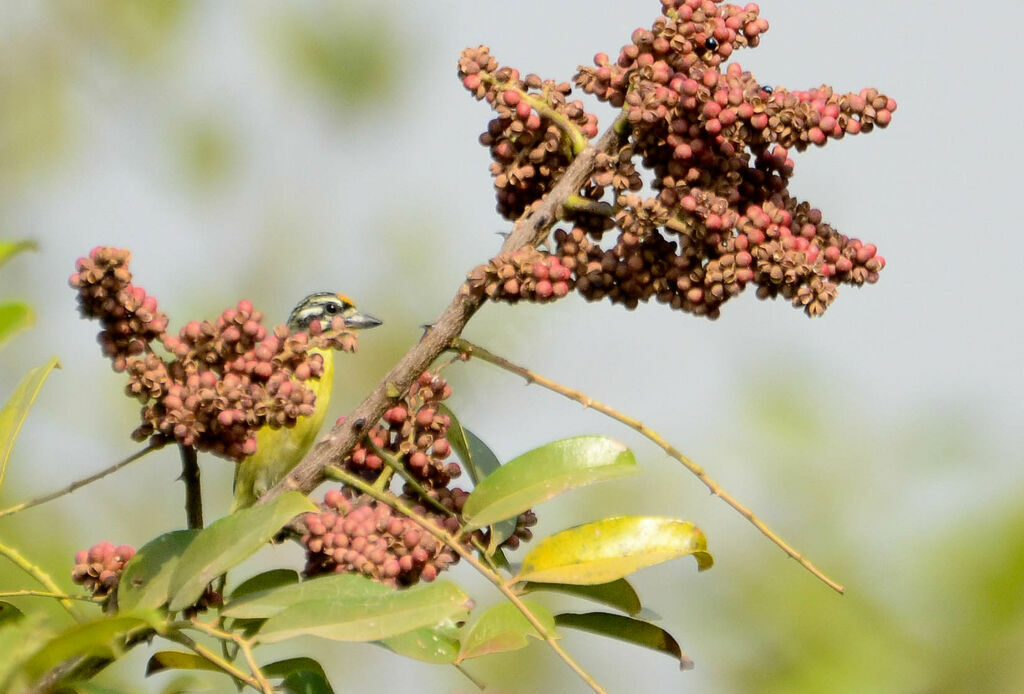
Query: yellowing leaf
point(612, 548)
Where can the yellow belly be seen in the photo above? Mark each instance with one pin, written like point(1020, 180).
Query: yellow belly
point(279, 450)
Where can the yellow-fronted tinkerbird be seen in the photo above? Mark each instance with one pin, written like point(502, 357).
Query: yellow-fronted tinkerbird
point(278, 450)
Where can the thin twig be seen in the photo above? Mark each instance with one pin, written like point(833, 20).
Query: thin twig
point(244, 645)
point(212, 657)
point(465, 673)
point(78, 484)
point(44, 594)
point(193, 486)
point(473, 350)
point(492, 576)
point(44, 578)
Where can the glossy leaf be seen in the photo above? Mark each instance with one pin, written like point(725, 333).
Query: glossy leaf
point(268, 580)
point(504, 628)
point(177, 660)
point(8, 249)
point(101, 637)
point(618, 593)
point(12, 416)
point(372, 618)
point(228, 542)
point(336, 587)
point(627, 629)
point(283, 668)
point(543, 473)
point(147, 575)
point(612, 548)
point(306, 682)
point(14, 318)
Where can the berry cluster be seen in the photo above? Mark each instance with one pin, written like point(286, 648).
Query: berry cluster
point(536, 131)
point(526, 274)
point(227, 379)
point(715, 144)
point(99, 568)
point(414, 432)
point(360, 535)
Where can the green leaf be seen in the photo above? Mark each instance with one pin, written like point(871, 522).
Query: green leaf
point(14, 318)
point(478, 459)
point(306, 682)
point(228, 542)
point(275, 578)
point(9, 614)
point(283, 668)
point(8, 249)
point(612, 548)
point(336, 587)
point(504, 628)
point(147, 575)
point(372, 618)
point(543, 473)
point(177, 660)
point(12, 416)
point(618, 593)
point(437, 645)
point(627, 629)
point(102, 637)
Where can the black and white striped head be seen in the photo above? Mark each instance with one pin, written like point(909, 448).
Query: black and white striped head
point(325, 306)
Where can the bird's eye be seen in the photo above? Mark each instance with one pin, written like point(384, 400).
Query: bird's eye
point(331, 308)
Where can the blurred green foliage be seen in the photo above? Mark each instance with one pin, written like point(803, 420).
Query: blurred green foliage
point(342, 52)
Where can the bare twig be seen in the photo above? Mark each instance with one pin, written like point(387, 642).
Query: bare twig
point(193, 487)
point(532, 228)
point(473, 350)
point(443, 536)
point(77, 484)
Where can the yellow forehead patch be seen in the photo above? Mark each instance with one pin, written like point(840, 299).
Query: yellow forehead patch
point(346, 299)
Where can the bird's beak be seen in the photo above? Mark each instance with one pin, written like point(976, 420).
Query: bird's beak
point(361, 321)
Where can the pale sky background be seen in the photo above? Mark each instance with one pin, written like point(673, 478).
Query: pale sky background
point(392, 204)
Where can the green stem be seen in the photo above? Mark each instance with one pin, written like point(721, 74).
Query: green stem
point(577, 140)
point(44, 594)
point(443, 536)
point(390, 461)
point(44, 578)
point(578, 203)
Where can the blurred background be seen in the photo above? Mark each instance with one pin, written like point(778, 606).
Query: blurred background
point(271, 149)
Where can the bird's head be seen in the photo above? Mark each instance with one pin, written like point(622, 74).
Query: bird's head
point(325, 306)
